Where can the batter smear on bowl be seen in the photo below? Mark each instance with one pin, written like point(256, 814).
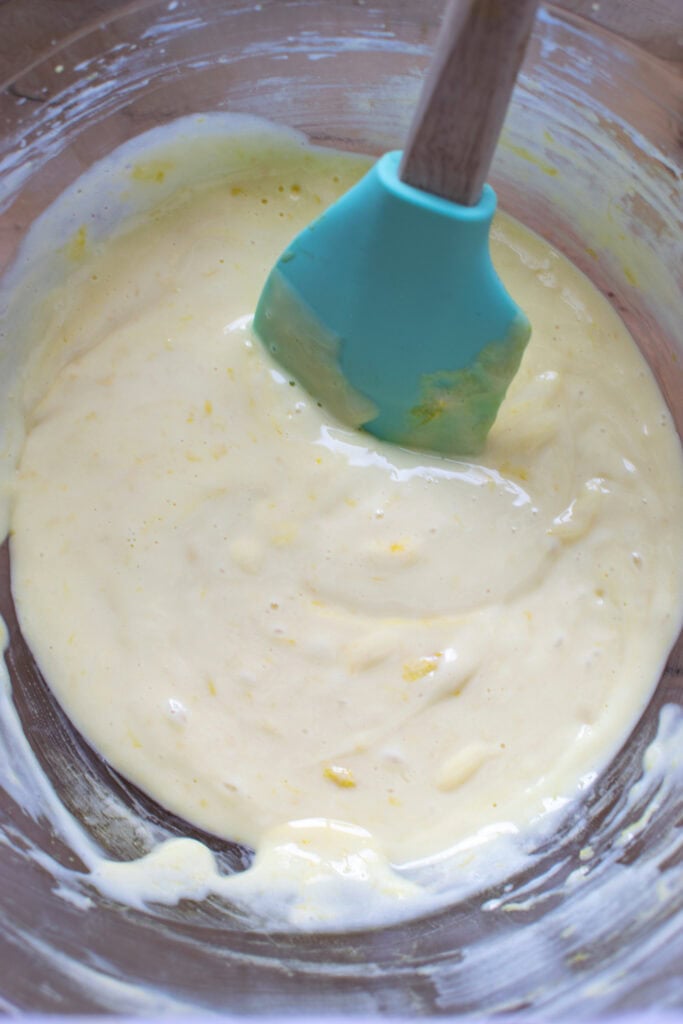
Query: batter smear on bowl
point(281, 627)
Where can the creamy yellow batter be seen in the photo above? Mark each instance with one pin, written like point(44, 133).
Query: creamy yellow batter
point(261, 617)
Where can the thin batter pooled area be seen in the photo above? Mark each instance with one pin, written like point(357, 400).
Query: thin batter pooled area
point(261, 617)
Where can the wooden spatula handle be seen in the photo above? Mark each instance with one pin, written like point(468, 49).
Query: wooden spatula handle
point(463, 102)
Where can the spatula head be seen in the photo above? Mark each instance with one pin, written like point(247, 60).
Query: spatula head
point(388, 310)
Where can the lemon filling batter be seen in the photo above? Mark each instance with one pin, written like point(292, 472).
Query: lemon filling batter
point(263, 618)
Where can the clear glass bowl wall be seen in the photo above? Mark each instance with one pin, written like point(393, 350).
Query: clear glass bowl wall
point(591, 159)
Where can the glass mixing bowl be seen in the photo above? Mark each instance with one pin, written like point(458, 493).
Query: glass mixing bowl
point(590, 158)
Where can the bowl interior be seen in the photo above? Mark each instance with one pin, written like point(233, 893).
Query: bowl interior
point(588, 159)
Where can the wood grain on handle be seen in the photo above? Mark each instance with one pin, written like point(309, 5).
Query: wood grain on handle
point(465, 97)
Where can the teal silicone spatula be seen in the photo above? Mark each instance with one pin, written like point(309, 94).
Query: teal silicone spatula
point(387, 308)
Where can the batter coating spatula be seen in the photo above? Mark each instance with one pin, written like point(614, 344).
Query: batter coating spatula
point(387, 308)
